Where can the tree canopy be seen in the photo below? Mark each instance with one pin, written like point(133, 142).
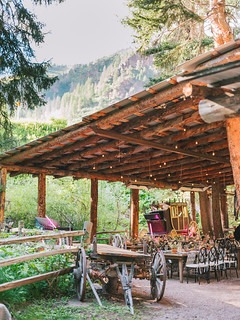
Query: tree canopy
point(177, 30)
point(22, 78)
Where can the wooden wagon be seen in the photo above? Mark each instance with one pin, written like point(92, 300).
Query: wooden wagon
point(109, 263)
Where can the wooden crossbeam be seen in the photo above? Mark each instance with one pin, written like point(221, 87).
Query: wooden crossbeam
point(114, 135)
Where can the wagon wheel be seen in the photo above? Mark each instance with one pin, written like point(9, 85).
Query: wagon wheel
point(80, 274)
point(152, 247)
point(158, 275)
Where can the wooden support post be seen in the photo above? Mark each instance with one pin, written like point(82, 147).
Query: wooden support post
point(94, 206)
point(233, 134)
point(217, 223)
point(205, 213)
point(134, 213)
point(3, 183)
point(224, 208)
point(193, 207)
point(42, 195)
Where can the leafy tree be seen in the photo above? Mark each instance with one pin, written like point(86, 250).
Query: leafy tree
point(177, 30)
point(22, 79)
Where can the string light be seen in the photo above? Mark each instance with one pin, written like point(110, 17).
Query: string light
point(165, 163)
point(196, 142)
point(110, 167)
point(213, 153)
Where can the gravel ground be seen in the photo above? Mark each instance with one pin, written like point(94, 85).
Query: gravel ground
point(188, 301)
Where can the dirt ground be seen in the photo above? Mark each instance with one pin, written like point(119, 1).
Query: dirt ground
point(217, 300)
point(188, 301)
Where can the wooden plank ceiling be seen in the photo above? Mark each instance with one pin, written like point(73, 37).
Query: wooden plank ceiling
point(155, 138)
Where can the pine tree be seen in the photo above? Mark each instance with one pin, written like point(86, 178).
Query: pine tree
point(22, 79)
point(176, 30)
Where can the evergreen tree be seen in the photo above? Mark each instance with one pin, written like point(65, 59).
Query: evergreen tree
point(22, 79)
point(177, 30)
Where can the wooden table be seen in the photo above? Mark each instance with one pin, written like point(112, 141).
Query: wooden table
point(180, 257)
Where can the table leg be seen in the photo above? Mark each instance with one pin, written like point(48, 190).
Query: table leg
point(180, 267)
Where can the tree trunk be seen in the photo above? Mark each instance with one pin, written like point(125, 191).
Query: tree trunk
point(217, 223)
point(205, 213)
point(42, 195)
point(3, 181)
point(233, 134)
point(220, 28)
point(94, 205)
point(134, 213)
point(193, 207)
point(224, 208)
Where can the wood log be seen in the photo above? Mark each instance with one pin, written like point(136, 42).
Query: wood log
point(33, 279)
point(94, 205)
point(42, 195)
point(217, 223)
point(193, 206)
point(134, 207)
point(3, 183)
point(9, 262)
point(205, 213)
point(233, 134)
point(54, 235)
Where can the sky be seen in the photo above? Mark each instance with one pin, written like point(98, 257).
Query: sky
point(81, 31)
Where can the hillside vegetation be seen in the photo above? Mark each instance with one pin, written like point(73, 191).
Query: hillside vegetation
point(87, 88)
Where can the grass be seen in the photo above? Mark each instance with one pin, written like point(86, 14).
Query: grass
point(61, 309)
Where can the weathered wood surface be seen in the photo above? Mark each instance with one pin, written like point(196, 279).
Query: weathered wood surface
point(3, 182)
point(55, 235)
point(14, 284)
point(47, 253)
point(107, 250)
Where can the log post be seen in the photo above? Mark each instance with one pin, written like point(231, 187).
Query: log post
point(42, 195)
point(193, 207)
point(233, 134)
point(217, 223)
point(94, 206)
point(205, 213)
point(224, 208)
point(134, 213)
point(3, 183)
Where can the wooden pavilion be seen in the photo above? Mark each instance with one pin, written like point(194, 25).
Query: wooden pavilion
point(183, 132)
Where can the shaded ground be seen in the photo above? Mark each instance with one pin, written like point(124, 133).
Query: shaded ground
point(212, 301)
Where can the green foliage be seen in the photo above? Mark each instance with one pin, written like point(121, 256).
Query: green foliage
point(87, 88)
point(57, 286)
point(175, 30)
point(22, 79)
point(24, 132)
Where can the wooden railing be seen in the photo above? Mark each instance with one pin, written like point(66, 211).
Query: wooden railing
point(67, 236)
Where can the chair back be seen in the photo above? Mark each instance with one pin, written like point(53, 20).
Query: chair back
point(202, 255)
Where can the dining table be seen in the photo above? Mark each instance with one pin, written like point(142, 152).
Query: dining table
point(180, 257)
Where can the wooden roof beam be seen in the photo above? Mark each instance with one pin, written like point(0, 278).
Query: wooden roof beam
point(151, 144)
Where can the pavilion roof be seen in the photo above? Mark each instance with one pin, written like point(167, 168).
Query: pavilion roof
point(168, 136)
